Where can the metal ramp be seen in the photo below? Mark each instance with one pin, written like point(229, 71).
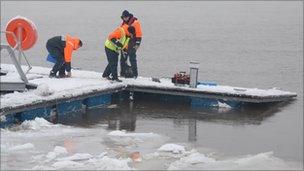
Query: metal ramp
point(18, 84)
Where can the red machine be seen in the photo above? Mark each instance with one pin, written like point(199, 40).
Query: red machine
point(181, 78)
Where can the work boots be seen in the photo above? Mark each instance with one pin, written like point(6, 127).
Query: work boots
point(52, 74)
point(62, 75)
point(108, 78)
point(117, 80)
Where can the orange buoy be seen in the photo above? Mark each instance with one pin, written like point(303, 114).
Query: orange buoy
point(28, 32)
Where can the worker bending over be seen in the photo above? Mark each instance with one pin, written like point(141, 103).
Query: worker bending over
point(116, 41)
point(61, 48)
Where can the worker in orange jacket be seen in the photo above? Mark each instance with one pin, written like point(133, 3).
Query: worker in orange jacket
point(133, 44)
point(116, 42)
point(61, 48)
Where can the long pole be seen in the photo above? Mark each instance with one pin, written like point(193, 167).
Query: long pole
point(19, 44)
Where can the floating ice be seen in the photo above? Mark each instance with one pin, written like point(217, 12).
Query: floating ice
point(112, 106)
point(57, 151)
point(124, 134)
point(102, 154)
point(99, 163)
point(107, 163)
point(224, 106)
point(174, 148)
point(262, 161)
point(122, 138)
point(67, 164)
point(76, 157)
point(42, 167)
point(36, 124)
point(60, 150)
point(197, 158)
point(22, 147)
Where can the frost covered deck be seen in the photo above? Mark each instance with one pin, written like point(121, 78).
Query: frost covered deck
point(85, 84)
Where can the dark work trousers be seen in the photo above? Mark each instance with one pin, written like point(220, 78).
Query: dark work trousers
point(133, 61)
point(123, 64)
point(58, 54)
point(111, 68)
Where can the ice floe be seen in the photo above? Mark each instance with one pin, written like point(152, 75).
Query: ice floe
point(261, 161)
point(58, 150)
point(174, 148)
point(171, 156)
point(76, 157)
point(123, 133)
point(36, 124)
point(22, 147)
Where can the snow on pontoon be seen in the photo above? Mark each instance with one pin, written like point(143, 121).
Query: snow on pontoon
point(88, 83)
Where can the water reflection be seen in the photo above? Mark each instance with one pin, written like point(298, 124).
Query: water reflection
point(124, 114)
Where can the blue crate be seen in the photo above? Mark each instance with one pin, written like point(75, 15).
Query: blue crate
point(197, 102)
point(51, 58)
point(8, 120)
point(70, 106)
point(96, 101)
point(32, 114)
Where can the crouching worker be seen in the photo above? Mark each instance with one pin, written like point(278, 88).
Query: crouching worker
point(61, 49)
point(116, 41)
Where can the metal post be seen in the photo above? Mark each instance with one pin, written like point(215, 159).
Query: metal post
point(19, 44)
point(28, 64)
point(192, 130)
point(193, 73)
point(131, 97)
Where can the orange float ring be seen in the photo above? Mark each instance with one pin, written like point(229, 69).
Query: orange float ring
point(29, 32)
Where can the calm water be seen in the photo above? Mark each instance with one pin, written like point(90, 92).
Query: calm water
point(249, 44)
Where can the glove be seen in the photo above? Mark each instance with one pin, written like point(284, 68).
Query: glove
point(117, 43)
point(125, 53)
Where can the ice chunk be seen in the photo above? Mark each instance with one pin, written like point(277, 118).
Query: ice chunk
point(66, 164)
point(57, 151)
point(174, 148)
point(124, 134)
point(60, 150)
point(22, 147)
point(41, 167)
point(36, 124)
point(262, 161)
point(107, 163)
point(76, 157)
point(224, 106)
point(197, 158)
point(102, 154)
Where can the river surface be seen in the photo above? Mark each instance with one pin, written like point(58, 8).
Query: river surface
point(246, 44)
